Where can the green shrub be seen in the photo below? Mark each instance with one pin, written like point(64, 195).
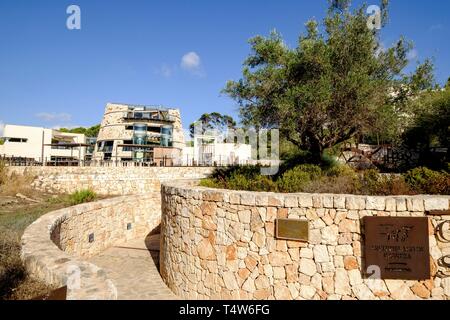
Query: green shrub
point(296, 179)
point(424, 180)
point(341, 170)
point(82, 196)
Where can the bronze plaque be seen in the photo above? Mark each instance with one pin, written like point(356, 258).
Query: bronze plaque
point(292, 229)
point(398, 246)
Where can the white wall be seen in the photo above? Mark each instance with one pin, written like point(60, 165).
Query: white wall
point(36, 138)
point(225, 153)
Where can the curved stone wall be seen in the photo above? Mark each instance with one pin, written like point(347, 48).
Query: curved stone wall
point(54, 246)
point(220, 244)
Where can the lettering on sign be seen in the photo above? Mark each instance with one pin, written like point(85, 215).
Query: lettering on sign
point(292, 229)
point(398, 246)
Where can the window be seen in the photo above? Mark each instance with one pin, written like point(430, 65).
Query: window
point(105, 146)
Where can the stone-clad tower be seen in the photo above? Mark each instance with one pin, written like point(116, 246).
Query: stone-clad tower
point(135, 133)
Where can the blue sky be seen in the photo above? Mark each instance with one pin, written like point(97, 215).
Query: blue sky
point(174, 53)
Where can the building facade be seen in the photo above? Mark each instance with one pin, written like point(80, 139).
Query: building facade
point(41, 144)
point(136, 133)
point(210, 150)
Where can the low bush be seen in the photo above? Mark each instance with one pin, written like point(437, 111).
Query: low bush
point(339, 179)
point(82, 196)
point(296, 179)
point(428, 181)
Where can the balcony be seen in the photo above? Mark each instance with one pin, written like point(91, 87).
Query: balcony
point(149, 116)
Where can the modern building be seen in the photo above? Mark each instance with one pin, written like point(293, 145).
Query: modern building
point(136, 133)
point(210, 150)
point(38, 144)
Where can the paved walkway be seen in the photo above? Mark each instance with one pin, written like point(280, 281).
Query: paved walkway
point(133, 270)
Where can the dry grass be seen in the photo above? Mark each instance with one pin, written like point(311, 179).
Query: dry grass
point(15, 284)
point(16, 215)
point(12, 184)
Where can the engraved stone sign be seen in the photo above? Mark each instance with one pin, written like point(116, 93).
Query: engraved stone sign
point(398, 246)
point(292, 229)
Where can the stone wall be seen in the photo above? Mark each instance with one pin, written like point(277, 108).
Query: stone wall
point(54, 246)
point(108, 180)
point(219, 244)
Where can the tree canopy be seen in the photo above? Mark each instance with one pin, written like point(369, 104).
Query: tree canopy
point(213, 121)
point(338, 83)
point(91, 132)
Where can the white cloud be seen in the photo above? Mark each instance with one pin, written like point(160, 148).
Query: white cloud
point(165, 71)
point(190, 61)
point(2, 128)
point(51, 117)
point(412, 54)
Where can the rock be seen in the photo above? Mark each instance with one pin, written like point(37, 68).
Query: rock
point(355, 203)
point(259, 239)
point(399, 290)
point(262, 282)
point(152, 242)
point(376, 203)
point(391, 205)
point(278, 259)
point(344, 250)
point(205, 250)
point(436, 203)
point(342, 282)
point(308, 267)
point(315, 236)
point(328, 284)
point(348, 226)
point(362, 292)
point(230, 281)
point(268, 270)
point(292, 273)
point(291, 201)
point(282, 293)
point(279, 273)
point(350, 263)
point(328, 201)
point(307, 292)
point(415, 204)
point(316, 281)
point(208, 208)
point(330, 234)
point(306, 253)
point(401, 204)
point(339, 202)
point(208, 224)
point(321, 253)
point(248, 199)
point(249, 285)
point(231, 253)
point(446, 286)
point(355, 277)
point(244, 273)
point(262, 294)
point(245, 216)
point(250, 263)
point(421, 291)
point(23, 197)
point(305, 201)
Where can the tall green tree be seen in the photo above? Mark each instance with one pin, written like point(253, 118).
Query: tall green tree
point(213, 121)
point(430, 126)
point(330, 88)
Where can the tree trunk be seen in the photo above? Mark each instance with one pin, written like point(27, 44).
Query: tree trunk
point(316, 152)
